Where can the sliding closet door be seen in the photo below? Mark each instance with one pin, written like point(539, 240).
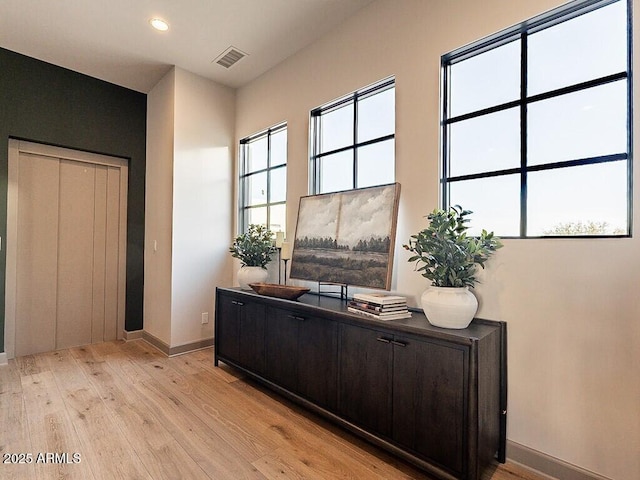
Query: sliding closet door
point(106, 254)
point(75, 254)
point(70, 255)
point(36, 255)
point(113, 258)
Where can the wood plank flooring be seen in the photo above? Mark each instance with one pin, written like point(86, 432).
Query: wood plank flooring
point(126, 411)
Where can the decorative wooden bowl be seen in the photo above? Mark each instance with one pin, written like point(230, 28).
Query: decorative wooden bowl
point(280, 291)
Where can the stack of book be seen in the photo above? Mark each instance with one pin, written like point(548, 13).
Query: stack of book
point(379, 306)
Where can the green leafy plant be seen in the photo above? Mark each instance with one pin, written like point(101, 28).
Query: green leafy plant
point(255, 247)
point(445, 254)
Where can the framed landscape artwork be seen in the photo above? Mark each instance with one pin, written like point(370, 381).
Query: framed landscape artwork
point(347, 237)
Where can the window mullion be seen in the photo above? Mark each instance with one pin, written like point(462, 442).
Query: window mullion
point(523, 134)
point(444, 183)
point(355, 141)
point(358, 145)
point(317, 126)
point(268, 177)
point(243, 187)
point(629, 119)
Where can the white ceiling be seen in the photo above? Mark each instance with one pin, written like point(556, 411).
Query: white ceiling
point(112, 40)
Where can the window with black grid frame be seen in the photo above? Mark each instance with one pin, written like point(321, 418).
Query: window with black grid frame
point(263, 179)
point(536, 125)
point(353, 140)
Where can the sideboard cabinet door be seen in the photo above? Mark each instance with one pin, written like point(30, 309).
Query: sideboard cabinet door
point(282, 348)
point(318, 361)
point(227, 328)
point(365, 378)
point(428, 399)
point(302, 355)
point(251, 317)
point(240, 325)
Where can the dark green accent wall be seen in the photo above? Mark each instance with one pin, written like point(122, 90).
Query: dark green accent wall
point(48, 104)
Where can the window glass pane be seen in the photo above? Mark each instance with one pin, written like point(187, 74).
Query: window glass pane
point(257, 155)
point(279, 148)
point(336, 128)
point(578, 200)
point(278, 218)
point(376, 115)
point(376, 165)
point(256, 188)
point(583, 124)
point(485, 144)
point(494, 202)
point(590, 46)
point(336, 172)
point(486, 80)
point(257, 215)
point(278, 185)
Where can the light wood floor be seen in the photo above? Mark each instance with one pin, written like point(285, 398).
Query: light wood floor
point(129, 412)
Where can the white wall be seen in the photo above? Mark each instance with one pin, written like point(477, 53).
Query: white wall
point(571, 305)
point(158, 209)
point(202, 209)
point(190, 124)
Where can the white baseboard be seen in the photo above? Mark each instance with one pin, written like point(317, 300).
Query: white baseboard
point(4, 360)
point(547, 465)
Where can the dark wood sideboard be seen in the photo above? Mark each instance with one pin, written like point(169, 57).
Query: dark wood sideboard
point(433, 396)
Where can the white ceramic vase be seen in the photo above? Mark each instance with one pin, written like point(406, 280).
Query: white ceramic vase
point(247, 275)
point(449, 307)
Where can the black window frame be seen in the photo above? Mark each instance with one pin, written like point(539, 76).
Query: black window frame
point(521, 32)
point(245, 176)
point(316, 114)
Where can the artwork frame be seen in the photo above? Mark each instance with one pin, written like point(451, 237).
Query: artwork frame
point(347, 237)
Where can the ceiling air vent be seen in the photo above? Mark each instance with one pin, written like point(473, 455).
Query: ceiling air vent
point(229, 57)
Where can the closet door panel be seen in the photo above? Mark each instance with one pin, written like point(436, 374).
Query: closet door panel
point(36, 254)
point(99, 255)
point(112, 253)
point(75, 253)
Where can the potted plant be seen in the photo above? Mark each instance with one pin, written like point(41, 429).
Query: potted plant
point(254, 249)
point(447, 256)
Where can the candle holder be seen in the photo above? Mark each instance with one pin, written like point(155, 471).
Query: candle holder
point(285, 270)
point(286, 256)
point(278, 244)
point(279, 266)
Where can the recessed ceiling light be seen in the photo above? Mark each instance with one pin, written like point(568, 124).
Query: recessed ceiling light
point(159, 24)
